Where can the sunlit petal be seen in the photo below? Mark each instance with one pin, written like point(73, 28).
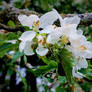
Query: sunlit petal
point(28, 20)
point(28, 48)
point(28, 35)
point(41, 51)
point(48, 19)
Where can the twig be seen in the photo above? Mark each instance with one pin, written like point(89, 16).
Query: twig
point(10, 29)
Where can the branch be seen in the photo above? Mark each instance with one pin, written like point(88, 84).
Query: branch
point(10, 29)
point(86, 18)
point(11, 13)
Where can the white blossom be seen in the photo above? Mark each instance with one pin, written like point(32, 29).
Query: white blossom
point(27, 42)
point(67, 32)
point(33, 20)
point(82, 49)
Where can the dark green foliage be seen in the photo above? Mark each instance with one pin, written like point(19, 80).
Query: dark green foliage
point(67, 63)
point(46, 68)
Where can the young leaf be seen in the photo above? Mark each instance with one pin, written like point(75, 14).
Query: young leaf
point(5, 47)
point(44, 69)
point(60, 89)
point(17, 55)
point(67, 63)
point(25, 59)
point(11, 23)
point(62, 79)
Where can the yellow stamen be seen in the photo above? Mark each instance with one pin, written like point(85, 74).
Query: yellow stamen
point(55, 26)
point(36, 23)
point(64, 40)
point(83, 47)
point(44, 41)
point(79, 58)
point(67, 24)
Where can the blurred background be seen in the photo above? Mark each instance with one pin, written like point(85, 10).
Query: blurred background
point(41, 6)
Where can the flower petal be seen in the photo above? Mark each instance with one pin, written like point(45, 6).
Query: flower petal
point(48, 19)
point(68, 30)
point(28, 20)
point(41, 51)
point(54, 37)
point(71, 20)
point(28, 35)
point(28, 49)
point(48, 29)
point(21, 46)
point(82, 63)
point(75, 74)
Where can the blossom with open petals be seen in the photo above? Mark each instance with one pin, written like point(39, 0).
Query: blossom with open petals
point(33, 20)
point(82, 49)
point(27, 43)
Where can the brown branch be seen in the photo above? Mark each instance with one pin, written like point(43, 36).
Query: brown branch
point(10, 29)
point(86, 18)
point(11, 13)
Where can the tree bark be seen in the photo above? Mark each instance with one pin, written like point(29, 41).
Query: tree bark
point(11, 13)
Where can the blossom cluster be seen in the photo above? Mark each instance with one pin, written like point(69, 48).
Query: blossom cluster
point(43, 31)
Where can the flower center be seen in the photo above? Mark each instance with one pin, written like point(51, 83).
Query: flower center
point(42, 41)
point(64, 40)
point(79, 58)
point(55, 26)
point(36, 23)
point(83, 48)
point(67, 24)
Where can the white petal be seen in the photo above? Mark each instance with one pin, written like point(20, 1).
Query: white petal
point(39, 37)
point(28, 20)
point(48, 19)
point(88, 45)
point(68, 30)
point(22, 19)
point(87, 54)
point(77, 40)
point(48, 29)
point(75, 74)
point(82, 63)
point(54, 37)
point(28, 35)
point(21, 46)
point(80, 32)
point(12, 41)
point(41, 51)
point(28, 49)
point(71, 20)
point(33, 18)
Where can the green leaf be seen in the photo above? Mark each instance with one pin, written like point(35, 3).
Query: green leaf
point(67, 63)
point(60, 89)
point(62, 79)
point(10, 36)
point(87, 72)
point(17, 55)
point(5, 47)
point(46, 68)
point(25, 59)
point(45, 60)
point(45, 5)
point(10, 71)
point(11, 23)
